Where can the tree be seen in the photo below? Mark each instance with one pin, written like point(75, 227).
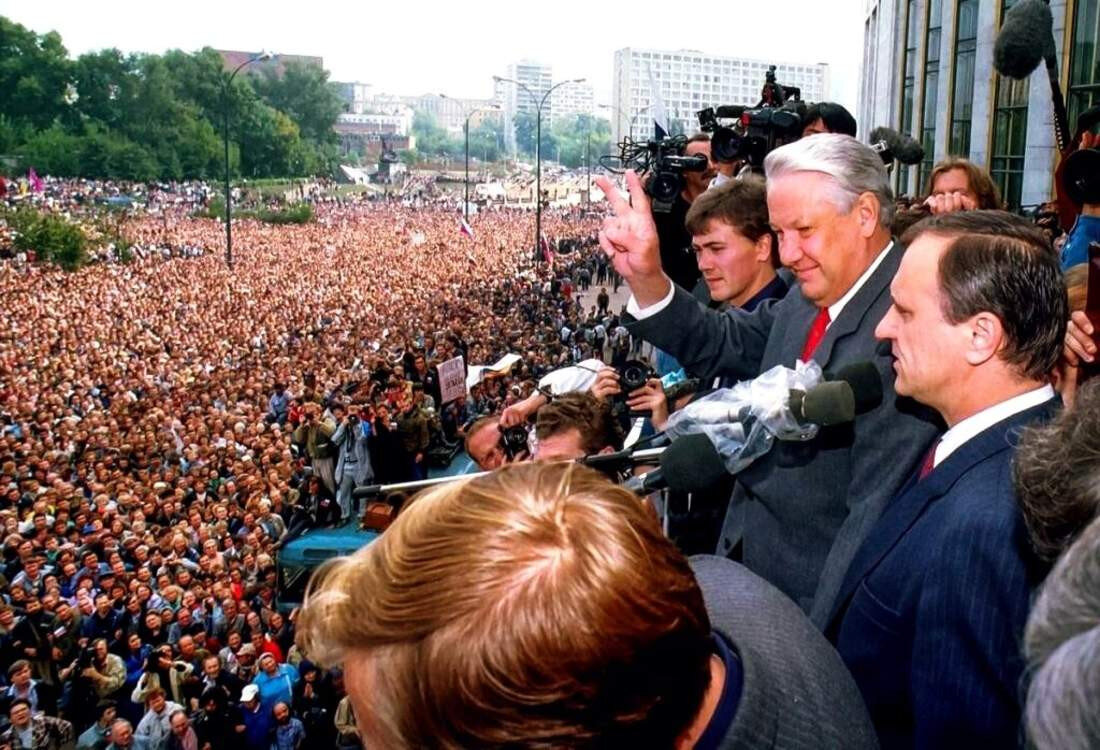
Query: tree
point(432, 139)
point(304, 94)
point(487, 139)
point(572, 138)
point(526, 126)
point(35, 75)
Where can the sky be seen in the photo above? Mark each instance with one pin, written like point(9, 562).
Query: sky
point(433, 46)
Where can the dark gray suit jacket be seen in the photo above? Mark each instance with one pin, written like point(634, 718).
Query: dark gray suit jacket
point(797, 694)
point(804, 509)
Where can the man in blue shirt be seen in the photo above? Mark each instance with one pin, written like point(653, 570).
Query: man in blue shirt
point(1087, 228)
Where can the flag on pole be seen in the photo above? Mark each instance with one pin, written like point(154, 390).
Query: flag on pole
point(657, 106)
point(35, 181)
point(466, 229)
point(547, 252)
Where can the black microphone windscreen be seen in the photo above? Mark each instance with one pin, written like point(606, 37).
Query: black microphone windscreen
point(1026, 37)
point(692, 464)
point(828, 403)
point(909, 151)
point(888, 135)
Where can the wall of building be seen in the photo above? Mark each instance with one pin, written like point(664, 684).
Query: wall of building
point(881, 87)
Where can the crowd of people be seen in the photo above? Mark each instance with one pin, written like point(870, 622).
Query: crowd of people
point(168, 424)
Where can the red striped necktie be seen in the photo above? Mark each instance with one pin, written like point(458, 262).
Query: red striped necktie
point(817, 332)
point(929, 461)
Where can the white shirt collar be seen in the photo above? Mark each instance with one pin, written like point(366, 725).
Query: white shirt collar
point(836, 308)
point(970, 427)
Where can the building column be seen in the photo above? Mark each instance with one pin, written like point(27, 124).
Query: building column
point(947, 64)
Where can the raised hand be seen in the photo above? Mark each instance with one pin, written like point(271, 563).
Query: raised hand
point(945, 203)
point(629, 238)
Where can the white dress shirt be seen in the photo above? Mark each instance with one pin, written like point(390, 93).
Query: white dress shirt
point(969, 428)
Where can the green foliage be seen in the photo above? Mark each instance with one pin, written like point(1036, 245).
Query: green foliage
point(432, 139)
point(299, 213)
point(52, 238)
point(573, 135)
point(145, 117)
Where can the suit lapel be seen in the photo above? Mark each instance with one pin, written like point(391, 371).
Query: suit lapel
point(853, 314)
point(799, 328)
point(917, 495)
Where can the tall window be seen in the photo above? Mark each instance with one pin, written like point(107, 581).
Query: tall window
point(1009, 133)
point(932, 38)
point(909, 67)
point(1084, 75)
point(962, 100)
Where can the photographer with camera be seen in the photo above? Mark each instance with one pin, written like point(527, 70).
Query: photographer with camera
point(353, 467)
point(576, 425)
point(315, 434)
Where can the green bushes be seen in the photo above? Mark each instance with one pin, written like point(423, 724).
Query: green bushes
point(298, 213)
point(51, 238)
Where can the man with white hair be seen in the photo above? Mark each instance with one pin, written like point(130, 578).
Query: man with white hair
point(802, 510)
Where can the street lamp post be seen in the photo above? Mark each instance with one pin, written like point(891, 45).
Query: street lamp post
point(466, 129)
point(226, 83)
point(538, 149)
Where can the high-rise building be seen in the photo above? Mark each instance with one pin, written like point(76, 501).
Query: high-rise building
point(573, 99)
point(928, 71)
point(514, 100)
point(688, 81)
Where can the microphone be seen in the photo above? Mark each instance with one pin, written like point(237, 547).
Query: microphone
point(854, 389)
point(1025, 40)
point(892, 145)
point(690, 464)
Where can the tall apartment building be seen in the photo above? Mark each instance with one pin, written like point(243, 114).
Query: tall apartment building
point(928, 71)
point(514, 100)
point(689, 81)
point(573, 99)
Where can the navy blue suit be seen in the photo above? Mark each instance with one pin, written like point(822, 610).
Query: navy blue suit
point(931, 613)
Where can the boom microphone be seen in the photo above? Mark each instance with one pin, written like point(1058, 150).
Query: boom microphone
point(1025, 40)
point(690, 464)
point(893, 145)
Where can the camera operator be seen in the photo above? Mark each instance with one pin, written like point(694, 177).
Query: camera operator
point(828, 117)
point(353, 468)
point(97, 674)
point(673, 239)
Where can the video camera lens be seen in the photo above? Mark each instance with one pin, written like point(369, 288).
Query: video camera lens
point(665, 186)
point(725, 145)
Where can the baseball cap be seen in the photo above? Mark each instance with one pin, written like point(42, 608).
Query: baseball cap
point(249, 693)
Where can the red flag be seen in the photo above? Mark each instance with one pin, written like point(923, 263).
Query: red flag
point(466, 229)
point(547, 253)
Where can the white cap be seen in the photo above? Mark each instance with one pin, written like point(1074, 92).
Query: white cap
point(250, 693)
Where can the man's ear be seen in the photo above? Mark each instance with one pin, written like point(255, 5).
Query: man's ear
point(764, 248)
point(867, 210)
point(986, 338)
